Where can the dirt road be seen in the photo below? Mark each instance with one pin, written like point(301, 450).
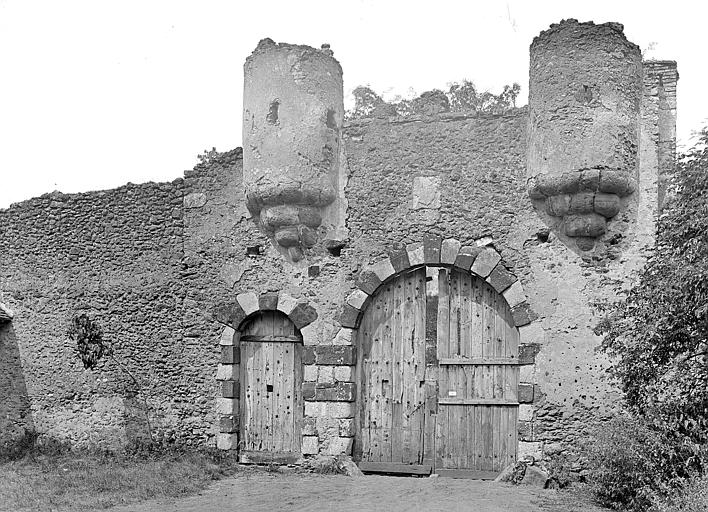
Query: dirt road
point(269, 492)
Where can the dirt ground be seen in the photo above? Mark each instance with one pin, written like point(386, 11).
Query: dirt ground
point(257, 492)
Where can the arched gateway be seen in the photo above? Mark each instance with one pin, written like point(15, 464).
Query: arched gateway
point(438, 373)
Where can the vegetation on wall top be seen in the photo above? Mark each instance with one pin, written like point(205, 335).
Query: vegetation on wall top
point(460, 97)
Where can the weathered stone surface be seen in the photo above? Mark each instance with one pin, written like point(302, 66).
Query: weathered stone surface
point(530, 450)
point(227, 406)
point(466, 256)
point(349, 316)
point(525, 412)
point(514, 295)
point(302, 315)
point(195, 200)
point(230, 389)
point(227, 336)
point(227, 372)
point(527, 353)
point(357, 299)
point(500, 278)
point(368, 281)
point(227, 441)
point(344, 336)
point(230, 354)
point(383, 269)
point(286, 303)
point(485, 262)
point(399, 259)
point(448, 251)
point(309, 427)
point(426, 193)
point(523, 314)
point(310, 445)
point(535, 477)
point(416, 253)
point(248, 302)
point(230, 314)
point(268, 302)
point(329, 355)
point(344, 373)
point(228, 424)
point(431, 248)
point(525, 393)
point(340, 446)
point(334, 392)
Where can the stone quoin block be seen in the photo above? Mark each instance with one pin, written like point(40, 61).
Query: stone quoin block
point(344, 373)
point(230, 388)
point(399, 259)
point(227, 441)
point(383, 269)
point(347, 428)
point(357, 299)
point(523, 314)
point(449, 249)
point(416, 253)
point(309, 426)
point(248, 302)
point(527, 353)
point(431, 249)
point(527, 373)
point(310, 372)
point(485, 262)
point(228, 424)
point(368, 281)
point(530, 450)
point(226, 406)
point(310, 445)
point(525, 430)
point(312, 334)
point(500, 278)
point(525, 393)
point(227, 336)
point(514, 295)
point(227, 372)
point(286, 303)
point(334, 392)
point(335, 355)
point(230, 354)
point(302, 315)
point(268, 302)
point(466, 256)
point(525, 412)
point(349, 316)
point(326, 374)
point(340, 446)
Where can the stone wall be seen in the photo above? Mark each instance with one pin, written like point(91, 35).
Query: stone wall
point(114, 255)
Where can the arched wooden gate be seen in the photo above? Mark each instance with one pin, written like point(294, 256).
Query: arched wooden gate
point(438, 374)
point(271, 389)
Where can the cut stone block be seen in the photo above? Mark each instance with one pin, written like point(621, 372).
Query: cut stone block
point(514, 295)
point(485, 262)
point(226, 441)
point(268, 302)
point(248, 302)
point(227, 336)
point(357, 298)
point(449, 250)
point(416, 253)
point(227, 372)
point(466, 256)
point(310, 445)
point(500, 278)
point(286, 303)
point(383, 269)
point(340, 446)
point(431, 249)
point(227, 406)
point(525, 412)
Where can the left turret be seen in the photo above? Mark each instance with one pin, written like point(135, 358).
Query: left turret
point(293, 110)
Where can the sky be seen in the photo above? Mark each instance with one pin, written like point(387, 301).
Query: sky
point(98, 93)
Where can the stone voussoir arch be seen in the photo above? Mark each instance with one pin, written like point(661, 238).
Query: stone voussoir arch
point(482, 261)
point(234, 314)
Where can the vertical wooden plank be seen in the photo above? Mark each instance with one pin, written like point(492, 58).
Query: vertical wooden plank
point(443, 313)
point(455, 345)
point(497, 428)
point(418, 364)
point(476, 317)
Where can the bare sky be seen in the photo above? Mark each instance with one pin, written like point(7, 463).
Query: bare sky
point(94, 94)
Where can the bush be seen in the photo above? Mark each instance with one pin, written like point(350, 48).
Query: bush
point(692, 497)
point(631, 463)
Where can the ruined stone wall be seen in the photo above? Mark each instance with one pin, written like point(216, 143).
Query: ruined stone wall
point(114, 255)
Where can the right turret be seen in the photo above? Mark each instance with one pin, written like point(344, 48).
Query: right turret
point(585, 93)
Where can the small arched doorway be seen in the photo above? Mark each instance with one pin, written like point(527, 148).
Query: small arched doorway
point(438, 373)
point(271, 389)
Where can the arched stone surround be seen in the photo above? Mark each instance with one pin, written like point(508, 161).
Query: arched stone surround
point(234, 315)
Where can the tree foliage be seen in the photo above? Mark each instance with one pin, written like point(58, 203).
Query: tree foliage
point(460, 97)
point(657, 335)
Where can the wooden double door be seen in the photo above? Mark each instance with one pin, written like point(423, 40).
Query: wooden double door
point(438, 377)
point(271, 389)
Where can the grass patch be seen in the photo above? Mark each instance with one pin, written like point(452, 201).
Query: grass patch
point(47, 478)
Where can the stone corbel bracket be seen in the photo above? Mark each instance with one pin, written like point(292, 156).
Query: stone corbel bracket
point(6, 314)
point(584, 200)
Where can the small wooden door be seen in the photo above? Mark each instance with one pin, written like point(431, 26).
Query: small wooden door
point(271, 383)
point(477, 351)
point(438, 376)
